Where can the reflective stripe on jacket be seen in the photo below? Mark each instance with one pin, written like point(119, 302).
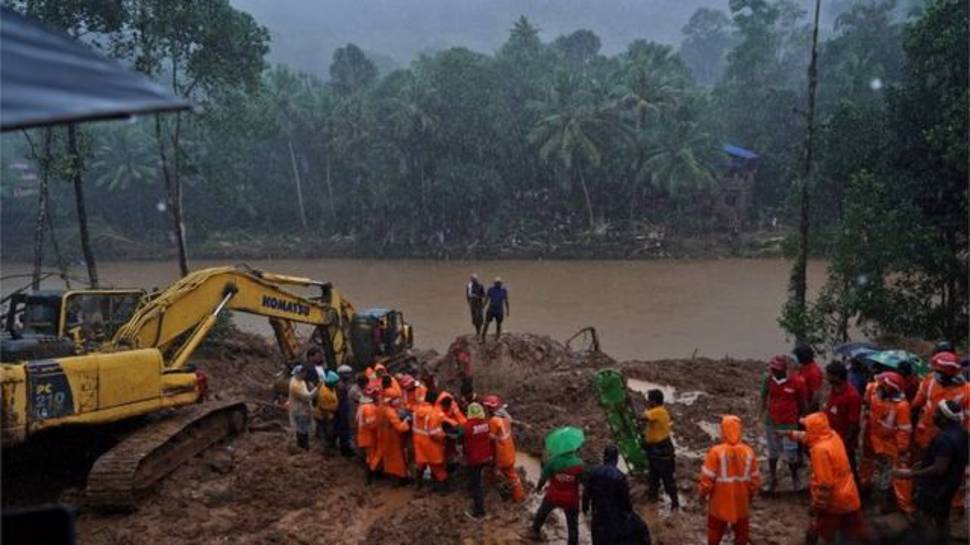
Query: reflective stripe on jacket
point(500, 431)
point(730, 474)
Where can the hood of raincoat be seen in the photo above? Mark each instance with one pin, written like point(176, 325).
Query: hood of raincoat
point(731, 429)
point(816, 427)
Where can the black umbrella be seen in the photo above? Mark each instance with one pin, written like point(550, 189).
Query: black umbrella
point(854, 350)
point(47, 78)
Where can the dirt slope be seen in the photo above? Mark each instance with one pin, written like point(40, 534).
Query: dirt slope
point(260, 490)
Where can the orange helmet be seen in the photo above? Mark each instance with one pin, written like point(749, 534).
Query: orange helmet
point(946, 363)
point(492, 402)
point(891, 380)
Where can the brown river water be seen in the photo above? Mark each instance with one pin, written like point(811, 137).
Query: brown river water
point(641, 309)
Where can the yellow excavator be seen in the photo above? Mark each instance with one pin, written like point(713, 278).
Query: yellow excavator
point(73, 377)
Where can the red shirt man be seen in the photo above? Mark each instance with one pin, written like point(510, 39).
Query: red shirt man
point(843, 408)
point(811, 374)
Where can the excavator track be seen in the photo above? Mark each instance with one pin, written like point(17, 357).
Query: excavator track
point(146, 456)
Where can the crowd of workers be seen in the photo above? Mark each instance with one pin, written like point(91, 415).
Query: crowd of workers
point(878, 431)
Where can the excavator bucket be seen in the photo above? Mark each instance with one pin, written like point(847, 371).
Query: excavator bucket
point(611, 387)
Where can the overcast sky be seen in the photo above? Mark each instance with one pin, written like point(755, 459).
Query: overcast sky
point(305, 32)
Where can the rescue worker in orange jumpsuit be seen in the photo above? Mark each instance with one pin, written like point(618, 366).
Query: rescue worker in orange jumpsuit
point(452, 419)
point(500, 431)
point(429, 441)
point(391, 440)
point(412, 392)
point(368, 424)
point(730, 478)
point(946, 382)
point(887, 441)
point(836, 507)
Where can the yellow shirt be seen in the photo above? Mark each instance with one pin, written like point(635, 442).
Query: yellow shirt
point(658, 425)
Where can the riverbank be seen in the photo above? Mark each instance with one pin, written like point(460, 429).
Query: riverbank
point(608, 244)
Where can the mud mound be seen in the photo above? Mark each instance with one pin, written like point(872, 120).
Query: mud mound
point(544, 384)
point(239, 365)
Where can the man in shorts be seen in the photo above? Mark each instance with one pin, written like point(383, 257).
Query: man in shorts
point(783, 401)
point(498, 307)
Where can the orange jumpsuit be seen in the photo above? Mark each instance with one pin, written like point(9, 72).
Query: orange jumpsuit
point(429, 441)
point(888, 431)
point(390, 439)
point(368, 424)
point(835, 498)
point(453, 416)
point(930, 393)
point(731, 478)
point(500, 431)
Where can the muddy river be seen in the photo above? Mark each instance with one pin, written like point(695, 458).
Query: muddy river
point(641, 309)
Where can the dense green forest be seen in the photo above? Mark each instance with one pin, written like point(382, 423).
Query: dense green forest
point(539, 149)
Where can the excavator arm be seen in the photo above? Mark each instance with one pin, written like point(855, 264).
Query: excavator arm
point(176, 320)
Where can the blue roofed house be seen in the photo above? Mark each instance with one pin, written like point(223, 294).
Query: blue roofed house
point(735, 186)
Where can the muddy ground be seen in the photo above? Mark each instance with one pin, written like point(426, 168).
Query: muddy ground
point(259, 489)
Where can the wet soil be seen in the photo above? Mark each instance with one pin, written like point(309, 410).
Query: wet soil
point(259, 489)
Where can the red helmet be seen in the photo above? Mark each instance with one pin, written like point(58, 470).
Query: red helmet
point(492, 402)
point(891, 379)
point(946, 363)
point(372, 391)
point(779, 362)
point(406, 382)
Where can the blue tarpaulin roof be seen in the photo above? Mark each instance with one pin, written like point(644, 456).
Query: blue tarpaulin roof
point(738, 151)
point(47, 78)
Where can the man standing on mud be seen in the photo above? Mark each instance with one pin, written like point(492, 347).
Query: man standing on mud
point(498, 308)
point(475, 295)
point(783, 400)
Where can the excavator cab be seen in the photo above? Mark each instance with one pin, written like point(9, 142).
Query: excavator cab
point(379, 334)
point(55, 323)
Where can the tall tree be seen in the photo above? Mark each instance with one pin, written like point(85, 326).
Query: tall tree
point(351, 70)
point(92, 21)
point(799, 280)
point(202, 49)
point(707, 39)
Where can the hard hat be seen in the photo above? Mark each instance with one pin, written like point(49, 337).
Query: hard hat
point(943, 346)
point(372, 391)
point(946, 363)
point(779, 362)
point(475, 411)
point(331, 378)
point(492, 401)
point(498, 278)
point(406, 382)
point(344, 370)
point(892, 380)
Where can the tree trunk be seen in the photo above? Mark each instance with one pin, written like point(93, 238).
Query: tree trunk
point(82, 216)
point(299, 186)
point(173, 188)
point(40, 226)
point(589, 203)
point(800, 270)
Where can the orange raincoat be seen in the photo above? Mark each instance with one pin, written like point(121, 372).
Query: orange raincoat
point(390, 439)
point(888, 432)
point(832, 486)
point(368, 425)
point(429, 440)
point(730, 474)
point(500, 431)
point(454, 416)
point(930, 393)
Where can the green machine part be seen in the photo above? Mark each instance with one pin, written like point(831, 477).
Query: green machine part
point(611, 387)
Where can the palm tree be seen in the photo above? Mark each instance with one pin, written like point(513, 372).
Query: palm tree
point(574, 130)
point(678, 155)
